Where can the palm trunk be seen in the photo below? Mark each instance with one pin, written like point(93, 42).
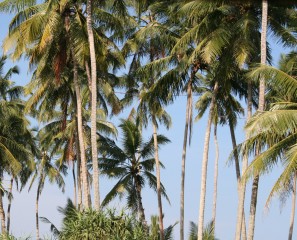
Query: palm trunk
point(36, 212)
point(78, 173)
point(293, 209)
point(183, 163)
point(238, 177)
point(9, 204)
point(93, 106)
point(158, 178)
point(254, 197)
point(215, 187)
point(74, 185)
point(139, 200)
point(2, 213)
point(205, 163)
point(81, 138)
point(241, 198)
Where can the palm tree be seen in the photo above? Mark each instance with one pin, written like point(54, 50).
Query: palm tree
point(150, 43)
point(44, 170)
point(93, 105)
point(62, 38)
point(280, 147)
point(15, 137)
point(253, 205)
point(132, 165)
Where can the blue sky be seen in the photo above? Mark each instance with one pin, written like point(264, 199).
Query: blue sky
point(271, 225)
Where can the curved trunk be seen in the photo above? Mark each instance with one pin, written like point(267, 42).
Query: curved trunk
point(204, 164)
point(2, 213)
point(293, 209)
point(9, 204)
point(93, 106)
point(254, 197)
point(158, 178)
point(241, 197)
point(81, 139)
point(215, 187)
point(183, 162)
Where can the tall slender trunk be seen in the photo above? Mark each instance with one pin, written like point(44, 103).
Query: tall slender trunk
point(254, 196)
point(139, 201)
point(205, 163)
point(238, 177)
point(78, 173)
point(9, 204)
point(293, 208)
point(241, 197)
point(215, 185)
point(93, 106)
point(36, 211)
point(158, 178)
point(74, 185)
point(183, 162)
point(81, 138)
point(2, 213)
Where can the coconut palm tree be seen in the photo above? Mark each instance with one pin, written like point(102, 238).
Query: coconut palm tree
point(15, 137)
point(132, 165)
point(62, 35)
point(44, 170)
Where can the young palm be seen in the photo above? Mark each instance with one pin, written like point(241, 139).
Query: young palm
point(132, 164)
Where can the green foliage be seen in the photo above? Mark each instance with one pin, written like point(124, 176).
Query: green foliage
point(208, 232)
point(105, 225)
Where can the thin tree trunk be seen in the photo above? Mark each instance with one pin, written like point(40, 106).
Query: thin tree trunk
point(81, 138)
point(241, 198)
point(2, 213)
point(9, 204)
point(158, 178)
point(293, 209)
point(183, 163)
point(204, 164)
point(36, 212)
point(78, 173)
point(238, 177)
point(254, 197)
point(93, 106)
point(139, 200)
point(74, 185)
point(215, 187)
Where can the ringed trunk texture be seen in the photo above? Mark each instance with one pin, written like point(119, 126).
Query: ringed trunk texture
point(2, 213)
point(261, 108)
point(293, 209)
point(241, 197)
point(215, 187)
point(81, 139)
point(204, 164)
point(183, 163)
point(9, 204)
point(93, 106)
point(158, 179)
